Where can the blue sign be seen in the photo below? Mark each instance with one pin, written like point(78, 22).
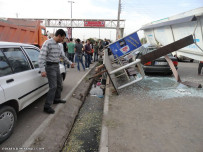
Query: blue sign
point(125, 45)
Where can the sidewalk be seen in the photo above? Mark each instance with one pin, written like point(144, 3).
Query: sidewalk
point(152, 116)
point(52, 133)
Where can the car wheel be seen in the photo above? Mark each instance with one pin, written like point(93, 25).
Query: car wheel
point(8, 119)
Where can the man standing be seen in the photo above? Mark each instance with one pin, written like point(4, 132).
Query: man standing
point(96, 49)
point(49, 59)
point(87, 51)
point(65, 48)
point(71, 51)
point(78, 54)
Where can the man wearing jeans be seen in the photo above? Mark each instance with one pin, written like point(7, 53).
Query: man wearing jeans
point(71, 51)
point(87, 51)
point(49, 59)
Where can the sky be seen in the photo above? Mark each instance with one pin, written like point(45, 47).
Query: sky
point(136, 13)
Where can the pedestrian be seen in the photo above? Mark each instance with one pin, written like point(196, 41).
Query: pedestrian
point(83, 43)
point(106, 45)
point(87, 52)
point(71, 51)
point(79, 54)
point(96, 49)
point(49, 59)
point(92, 51)
point(106, 42)
point(200, 67)
point(100, 49)
point(65, 48)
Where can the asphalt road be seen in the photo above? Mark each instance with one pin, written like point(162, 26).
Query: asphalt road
point(188, 72)
point(157, 114)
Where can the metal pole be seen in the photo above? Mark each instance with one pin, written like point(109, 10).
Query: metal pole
point(71, 2)
point(118, 36)
point(125, 66)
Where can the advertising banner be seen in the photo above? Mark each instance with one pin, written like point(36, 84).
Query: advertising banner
point(94, 24)
point(125, 45)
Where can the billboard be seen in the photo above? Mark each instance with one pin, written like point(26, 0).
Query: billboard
point(125, 45)
point(94, 24)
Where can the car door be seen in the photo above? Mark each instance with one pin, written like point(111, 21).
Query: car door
point(41, 83)
point(21, 85)
point(5, 70)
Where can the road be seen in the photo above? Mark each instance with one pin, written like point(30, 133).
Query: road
point(157, 114)
point(188, 72)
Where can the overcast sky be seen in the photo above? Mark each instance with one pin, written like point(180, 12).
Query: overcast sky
point(136, 13)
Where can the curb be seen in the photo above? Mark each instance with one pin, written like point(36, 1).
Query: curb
point(30, 141)
point(103, 146)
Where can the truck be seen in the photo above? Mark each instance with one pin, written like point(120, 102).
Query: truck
point(22, 31)
point(167, 30)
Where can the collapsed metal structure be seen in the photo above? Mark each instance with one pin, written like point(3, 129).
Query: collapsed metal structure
point(136, 64)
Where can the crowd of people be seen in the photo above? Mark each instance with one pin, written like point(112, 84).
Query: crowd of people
point(71, 51)
point(77, 51)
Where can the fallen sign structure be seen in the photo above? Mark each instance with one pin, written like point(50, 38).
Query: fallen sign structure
point(163, 51)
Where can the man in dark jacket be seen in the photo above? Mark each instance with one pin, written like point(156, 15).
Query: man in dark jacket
point(87, 52)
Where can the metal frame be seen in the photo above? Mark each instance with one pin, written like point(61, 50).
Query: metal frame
point(77, 23)
point(111, 73)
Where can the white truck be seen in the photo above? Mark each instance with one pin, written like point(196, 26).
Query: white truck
point(170, 29)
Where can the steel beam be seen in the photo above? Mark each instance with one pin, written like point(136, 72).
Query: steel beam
point(78, 23)
point(167, 49)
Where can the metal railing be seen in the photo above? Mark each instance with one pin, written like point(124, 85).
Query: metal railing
point(111, 72)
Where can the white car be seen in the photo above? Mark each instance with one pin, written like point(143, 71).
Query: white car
point(20, 82)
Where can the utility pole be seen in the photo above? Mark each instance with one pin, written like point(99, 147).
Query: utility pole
point(71, 2)
point(118, 33)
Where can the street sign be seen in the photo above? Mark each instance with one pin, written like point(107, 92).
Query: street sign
point(125, 45)
point(94, 24)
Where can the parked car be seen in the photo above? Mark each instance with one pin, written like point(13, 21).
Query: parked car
point(159, 65)
point(20, 82)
